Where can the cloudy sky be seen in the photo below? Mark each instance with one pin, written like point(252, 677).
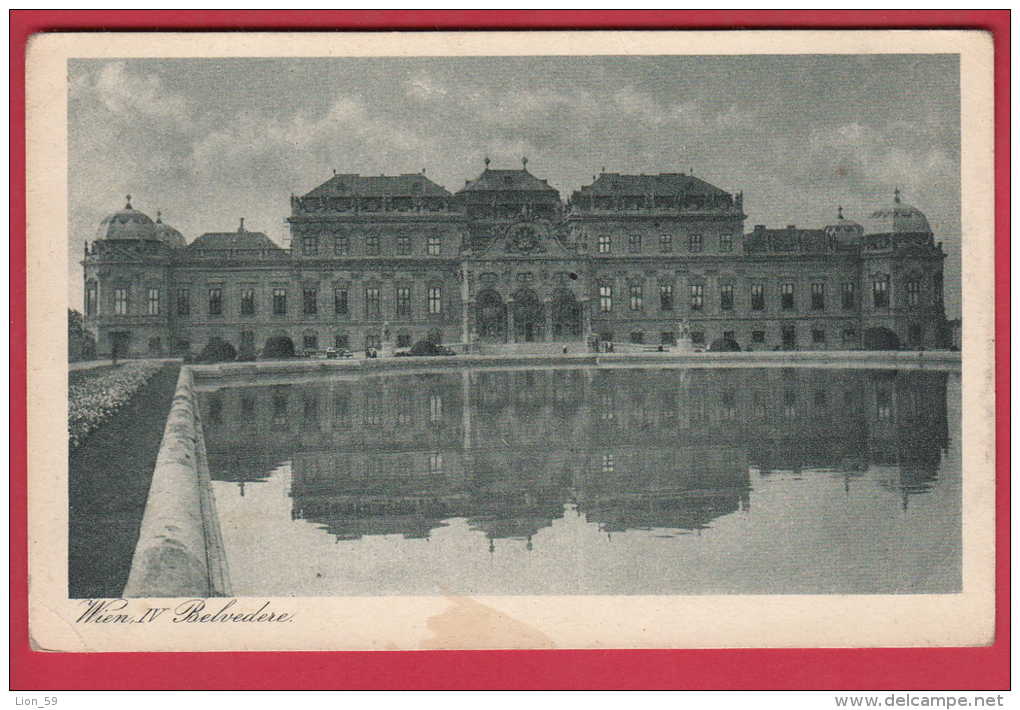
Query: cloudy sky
point(209, 141)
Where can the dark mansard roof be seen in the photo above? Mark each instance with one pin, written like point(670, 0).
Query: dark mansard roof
point(507, 181)
point(241, 239)
point(663, 184)
point(353, 185)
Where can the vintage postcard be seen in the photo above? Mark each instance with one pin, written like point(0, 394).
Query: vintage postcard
point(510, 340)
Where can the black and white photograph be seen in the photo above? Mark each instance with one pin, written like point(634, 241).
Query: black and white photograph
point(647, 326)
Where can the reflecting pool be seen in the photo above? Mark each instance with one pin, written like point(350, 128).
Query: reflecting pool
point(590, 481)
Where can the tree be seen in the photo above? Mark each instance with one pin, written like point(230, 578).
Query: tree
point(80, 343)
point(218, 350)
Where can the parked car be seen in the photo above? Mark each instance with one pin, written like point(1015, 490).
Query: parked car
point(338, 353)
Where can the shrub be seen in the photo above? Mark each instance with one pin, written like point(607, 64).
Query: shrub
point(218, 350)
point(246, 353)
point(428, 347)
point(278, 347)
point(724, 345)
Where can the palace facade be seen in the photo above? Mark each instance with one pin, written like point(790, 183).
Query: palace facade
point(386, 261)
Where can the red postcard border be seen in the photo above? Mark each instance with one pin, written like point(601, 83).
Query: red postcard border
point(843, 669)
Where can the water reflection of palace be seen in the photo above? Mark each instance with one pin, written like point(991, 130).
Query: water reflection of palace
point(508, 451)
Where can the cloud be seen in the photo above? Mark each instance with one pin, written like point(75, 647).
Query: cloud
point(425, 88)
point(129, 95)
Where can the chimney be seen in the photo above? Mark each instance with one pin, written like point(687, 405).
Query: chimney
point(241, 228)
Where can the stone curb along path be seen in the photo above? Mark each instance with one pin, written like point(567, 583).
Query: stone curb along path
point(180, 547)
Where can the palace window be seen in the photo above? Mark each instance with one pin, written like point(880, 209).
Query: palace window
point(729, 335)
point(311, 403)
point(183, 302)
point(435, 299)
point(726, 297)
point(697, 297)
point(404, 301)
point(340, 302)
point(435, 408)
point(849, 298)
point(849, 336)
point(434, 246)
point(310, 342)
point(726, 242)
point(310, 301)
point(342, 245)
point(279, 404)
point(758, 336)
point(786, 296)
point(120, 301)
point(248, 407)
point(372, 245)
point(757, 297)
point(636, 297)
point(605, 298)
point(666, 242)
point(435, 463)
point(372, 413)
point(634, 244)
point(818, 336)
point(279, 301)
point(608, 463)
point(403, 245)
point(607, 403)
point(341, 405)
point(789, 337)
point(789, 403)
point(728, 408)
point(310, 245)
point(341, 341)
point(248, 302)
point(883, 405)
point(216, 301)
point(759, 405)
point(90, 299)
point(818, 296)
point(248, 340)
point(372, 307)
point(605, 244)
point(152, 303)
point(666, 297)
point(913, 293)
point(695, 243)
point(373, 340)
point(915, 334)
point(880, 293)
point(403, 340)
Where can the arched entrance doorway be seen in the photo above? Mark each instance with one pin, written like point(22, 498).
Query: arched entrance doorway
point(490, 317)
point(880, 339)
point(528, 316)
point(565, 316)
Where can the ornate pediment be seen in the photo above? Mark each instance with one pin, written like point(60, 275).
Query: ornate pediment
point(526, 237)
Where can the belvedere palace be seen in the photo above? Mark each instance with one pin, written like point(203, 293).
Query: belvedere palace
point(504, 263)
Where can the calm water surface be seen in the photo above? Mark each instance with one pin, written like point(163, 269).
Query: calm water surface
point(598, 481)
